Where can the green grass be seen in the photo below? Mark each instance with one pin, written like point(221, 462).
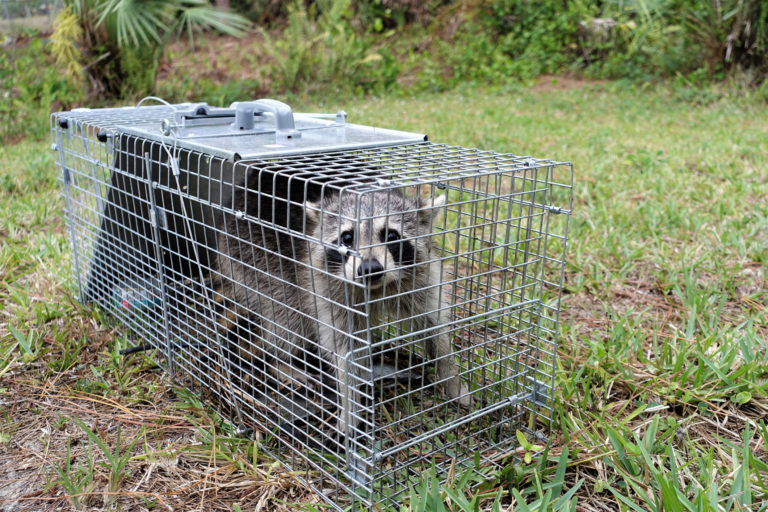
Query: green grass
point(662, 382)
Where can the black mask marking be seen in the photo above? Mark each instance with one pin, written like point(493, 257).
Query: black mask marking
point(402, 251)
point(333, 258)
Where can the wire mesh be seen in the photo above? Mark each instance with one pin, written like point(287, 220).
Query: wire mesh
point(16, 16)
point(374, 313)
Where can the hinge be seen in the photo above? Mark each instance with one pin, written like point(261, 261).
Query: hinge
point(157, 217)
point(540, 392)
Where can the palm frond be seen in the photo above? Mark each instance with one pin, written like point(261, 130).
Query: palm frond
point(196, 15)
point(136, 22)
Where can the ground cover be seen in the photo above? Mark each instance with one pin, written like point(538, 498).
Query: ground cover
point(662, 385)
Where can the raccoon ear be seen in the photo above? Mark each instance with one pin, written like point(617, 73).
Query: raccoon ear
point(430, 208)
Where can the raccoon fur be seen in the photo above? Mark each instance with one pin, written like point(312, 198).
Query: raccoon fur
point(298, 289)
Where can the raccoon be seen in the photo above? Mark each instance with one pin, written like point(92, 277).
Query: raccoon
point(311, 294)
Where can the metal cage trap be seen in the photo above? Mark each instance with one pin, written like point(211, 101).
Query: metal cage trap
point(374, 304)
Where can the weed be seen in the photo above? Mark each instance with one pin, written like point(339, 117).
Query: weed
point(470, 490)
point(77, 481)
point(117, 460)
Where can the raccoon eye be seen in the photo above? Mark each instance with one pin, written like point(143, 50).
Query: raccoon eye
point(347, 238)
point(392, 236)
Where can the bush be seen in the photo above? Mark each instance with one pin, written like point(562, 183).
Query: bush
point(544, 33)
point(634, 38)
point(30, 88)
point(730, 33)
point(319, 49)
point(261, 12)
point(378, 15)
point(468, 57)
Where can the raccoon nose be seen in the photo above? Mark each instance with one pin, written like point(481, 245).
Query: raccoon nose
point(371, 269)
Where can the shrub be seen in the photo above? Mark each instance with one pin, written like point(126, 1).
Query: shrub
point(544, 33)
point(261, 12)
point(731, 33)
point(319, 48)
point(378, 15)
point(634, 38)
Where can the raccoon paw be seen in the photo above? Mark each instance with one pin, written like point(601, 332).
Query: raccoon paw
point(465, 399)
point(456, 389)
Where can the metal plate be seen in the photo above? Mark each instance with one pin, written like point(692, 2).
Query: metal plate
point(221, 139)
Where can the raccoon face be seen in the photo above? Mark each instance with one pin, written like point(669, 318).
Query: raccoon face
point(377, 239)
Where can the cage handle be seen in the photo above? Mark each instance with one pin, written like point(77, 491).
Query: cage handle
point(285, 128)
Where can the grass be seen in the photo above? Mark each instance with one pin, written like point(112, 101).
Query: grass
point(662, 382)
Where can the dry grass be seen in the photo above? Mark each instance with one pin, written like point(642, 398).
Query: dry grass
point(184, 458)
point(662, 385)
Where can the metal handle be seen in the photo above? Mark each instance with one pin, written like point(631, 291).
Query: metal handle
point(284, 125)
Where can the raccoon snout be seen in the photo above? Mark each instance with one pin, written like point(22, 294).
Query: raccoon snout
point(371, 269)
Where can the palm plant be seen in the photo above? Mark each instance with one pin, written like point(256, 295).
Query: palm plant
point(730, 32)
point(117, 44)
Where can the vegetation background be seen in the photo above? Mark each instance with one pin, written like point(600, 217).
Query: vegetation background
point(661, 104)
